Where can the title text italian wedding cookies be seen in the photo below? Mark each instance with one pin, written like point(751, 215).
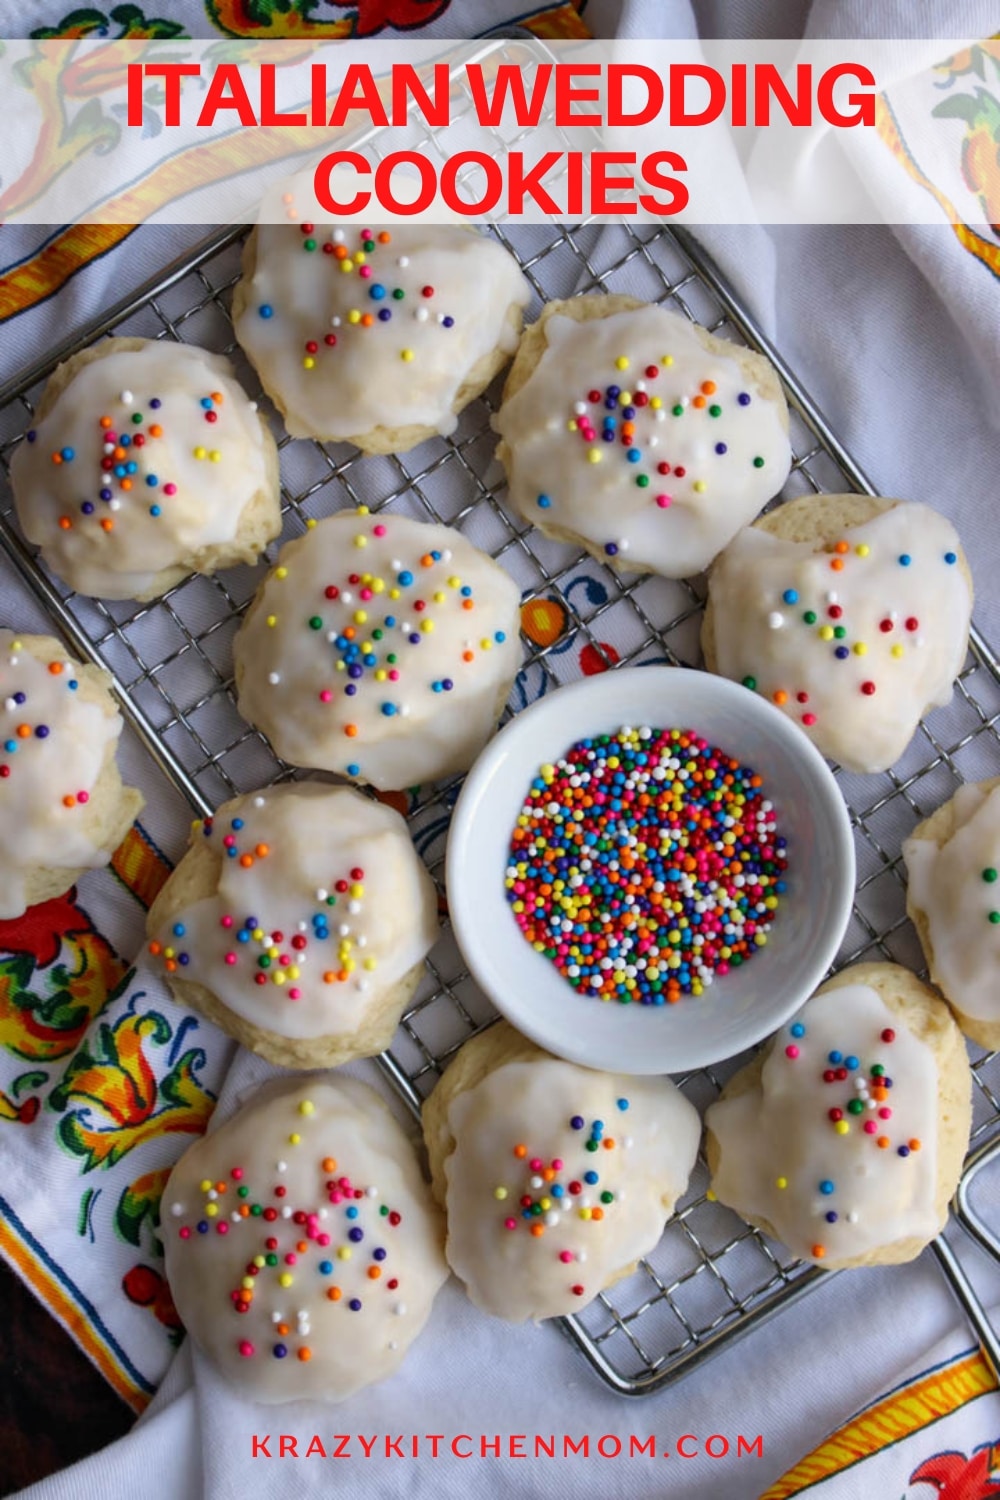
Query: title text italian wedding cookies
point(303, 1248)
point(845, 1139)
point(953, 898)
point(298, 920)
point(850, 613)
point(640, 436)
point(146, 463)
point(63, 808)
point(376, 337)
point(381, 648)
point(556, 1179)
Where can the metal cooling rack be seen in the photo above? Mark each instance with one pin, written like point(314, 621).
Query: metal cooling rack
point(712, 1278)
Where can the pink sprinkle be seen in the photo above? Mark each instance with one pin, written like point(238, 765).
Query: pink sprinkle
point(291, 1258)
point(557, 1165)
point(536, 1164)
point(378, 531)
point(393, 675)
point(295, 993)
point(664, 501)
point(237, 1174)
point(366, 594)
point(170, 489)
point(185, 1233)
point(226, 921)
point(792, 1051)
point(365, 271)
point(870, 1127)
point(808, 720)
point(222, 1227)
point(326, 696)
point(507, 1224)
point(322, 1239)
point(885, 1113)
point(246, 1348)
point(565, 1256)
point(230, 958)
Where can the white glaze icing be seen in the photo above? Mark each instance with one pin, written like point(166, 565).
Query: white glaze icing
point(782, 1131)
point(339, 376)
point(513, 1128)
point(113, 547)
point(883, 642)
point(281, 1145)
point(658, 495)
point(336, 875)
point(52, 749)
point(953, 887)
point(394, 730)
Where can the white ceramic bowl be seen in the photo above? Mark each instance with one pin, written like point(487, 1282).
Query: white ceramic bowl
point(738, 1009)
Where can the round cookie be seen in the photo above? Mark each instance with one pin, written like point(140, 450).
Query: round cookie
point(845, 1138)
point(556, 1179)
point(298, 921)
point(850, 613)
point(380, 648)
point(638, 435)
point(376, 337)
point(63, 808)
point(952, 898)
point(303, 1248)
point(146, 463)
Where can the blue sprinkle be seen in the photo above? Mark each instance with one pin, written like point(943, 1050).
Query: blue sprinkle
point(125, 440)
point(376, 292)
point(790, 596)
point(905, 559)
point(236, 823)
point(405, 578)
point(841, 653)
point(850, 1063)
point(826, 1186)
point(721, 448)
point(203, 1227)
point(836, 1057)
point(42, 731)
point(352, 1213)
point(178, 929)
point(353, 770)
point(577, 1122)
point(622, 1104)
point(544, 502)
point(448, 322)
point(326, 1267)
point(798, 1029)
point(591, 1178)
point(207, 403)
point(384, 315)
point(633, 455)
point(903, 1151)
point(68, 454)
point(156, 403)
point(265, 310)
point(73, 685)
point(389, 709)
point(500, 637)
point(831, 1217)
point(356, 1235)
point(87, 508)
point(950, 558)
point(105, 494)
point(31, 434)
point(743, 398)
point(154, 510)
point(378, 1254)
point(611, 549)
point(152, 481)
point(184, 958)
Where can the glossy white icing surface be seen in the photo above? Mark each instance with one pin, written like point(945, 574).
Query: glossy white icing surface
point(322, 906)
point(52, 750)
point(378, 648)
point(633, 437)
point(147, 457)
point(358, 329)
point(838, 1158)
point(308, 1209)
point(853, 642)
point(560, 1178)
point(957, 887)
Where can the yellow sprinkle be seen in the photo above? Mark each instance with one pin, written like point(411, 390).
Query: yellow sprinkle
point(406, 355)
point(842, 1127)
point(356, 892)
point(285, 1279)
point(826, 632)
point(211, 1209)
point(278, 977)
point(310, 523)
point(170, 953)
point(896, 651)
point(500, 1193)
point(362, 510)
point(259, 1262)
point(699, 486)
point(199, 452)
point(781, 1182)
point(861, 649)
point(215, 456)
point(360, 540)
point(307, 1107)
point(371, 963)
point(710, 1196)
point(347, 264)
point(439, 598)
point(486, 644)
point(360, 617)
point(621, 363)
point(593, 455)
point(344, 1253)
point(427, 626)
point(205, 1185)
point(359, 257)
point(655, 402)
point(247, 1283)
point(294, 1139)
point(308, 363)
point(281, 572)
point(257, 934)
point(294, 971)
point(394, 593)
point(666, 359)
point(454, 583)
point(354, 316)
point(862, 549)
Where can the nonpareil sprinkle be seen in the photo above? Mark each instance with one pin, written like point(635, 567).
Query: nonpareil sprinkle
point(644, 863)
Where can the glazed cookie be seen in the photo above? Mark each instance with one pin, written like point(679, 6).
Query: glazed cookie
point(845, 1139)
point(376, 337)
point(556, 1179)
point(63, 808)
point(850, 613)
point(146, 463)
point(952, 862)
point(303, 1248)
point(298, 921)
point(380, 648)
point(640, 436)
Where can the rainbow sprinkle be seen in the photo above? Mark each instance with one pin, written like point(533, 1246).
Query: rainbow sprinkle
point(644, 863)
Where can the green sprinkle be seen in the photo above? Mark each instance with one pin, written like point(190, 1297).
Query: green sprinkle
point(995, 916)
point(315, 623)
point(642, 481)
point(715, 411)
point(989, 875)
point(809, 617)
point(855, 1107)
point(398, 294)
point(751, 683)
point(758, 462)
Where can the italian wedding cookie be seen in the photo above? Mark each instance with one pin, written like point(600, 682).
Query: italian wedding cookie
point(637, 434)
point(381, 648)
point(850, 613)
point(376, 337)
point(952, 863)
point(555, 1178)
point(845, 1139)
point(303, 1248)
point(147, 462)
point(298, 921)
point(63, 808)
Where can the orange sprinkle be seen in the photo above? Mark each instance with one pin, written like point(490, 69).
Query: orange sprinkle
point(69, 802)
point(837, 564)
point(55, 667)
point(468, 655)
point(780, 697)
point(57, 458)
point(329, 977)
point(427, 561)
point(708, 387)
point(170, 964)
point(350, 730)
point(156, 949)
point(349, 632)
point(914, 1145)
point(374, 1272)
point(126, 484)
point(107, 524)
point(302, 1246)
point(818, 1252)
point(340, 252)
point(282, 1329)
point(467, 604)
point(244, 1211)
point(334, 1294)
point(385, 237)
point(246, 860)
point(262, 851)
point(119, 452)
point(520, 1152)
point(329, 1164)
point(597, 1213)
point(156, 430)
point(882, 1142)
point(698, 401)
point(842, 547)
point(217, 397)
point(23, 731)
point(549, 1175)
point(609, 1143)
point(367, 320)
point(65, 524)
point(105, 421)
point(305, 1354)
point(538, 1230)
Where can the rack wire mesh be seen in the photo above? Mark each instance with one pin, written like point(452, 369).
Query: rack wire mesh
point(712, 1278)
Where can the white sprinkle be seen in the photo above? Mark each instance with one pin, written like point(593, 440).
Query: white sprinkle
point(274, 678)
point(400, 1309)
point(176, 1209)
point(286, 1213)
point(282, 1166)
point(322, 893)
point(126, 398)
point(404, 261)
point(354, 907)
point(421, 314)
point(334, 322)
point(775, 620)
point(258, 802)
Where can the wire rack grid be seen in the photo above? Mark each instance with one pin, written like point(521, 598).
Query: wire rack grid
point(712, 1278)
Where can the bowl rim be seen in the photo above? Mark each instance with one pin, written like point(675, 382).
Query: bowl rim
point(518, 731)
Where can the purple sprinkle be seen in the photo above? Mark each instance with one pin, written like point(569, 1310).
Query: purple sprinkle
point(378, 1254)
point(744, 398)
point(155, 403)
point(355, 1304)
point(87, 508)
point(280, 1350)
point(42, 731)
point(414, 639)
point(105, 494)
point(721, 448)
point(611, 549)
point(384, 315)
point(448, 322)
point(31, 434)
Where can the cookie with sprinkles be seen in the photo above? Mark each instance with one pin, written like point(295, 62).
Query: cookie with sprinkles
point(850, 613)
point(303, 1247)
point(845, 1139)
point(146, 462)
point(381, 648)
point(63, 808)
point(953, 899)
point(372, 335)
point(556, 1179)
point(638, 435)
point(298, 921)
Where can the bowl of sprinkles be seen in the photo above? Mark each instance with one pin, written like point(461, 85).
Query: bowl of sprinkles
point(650, 870)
